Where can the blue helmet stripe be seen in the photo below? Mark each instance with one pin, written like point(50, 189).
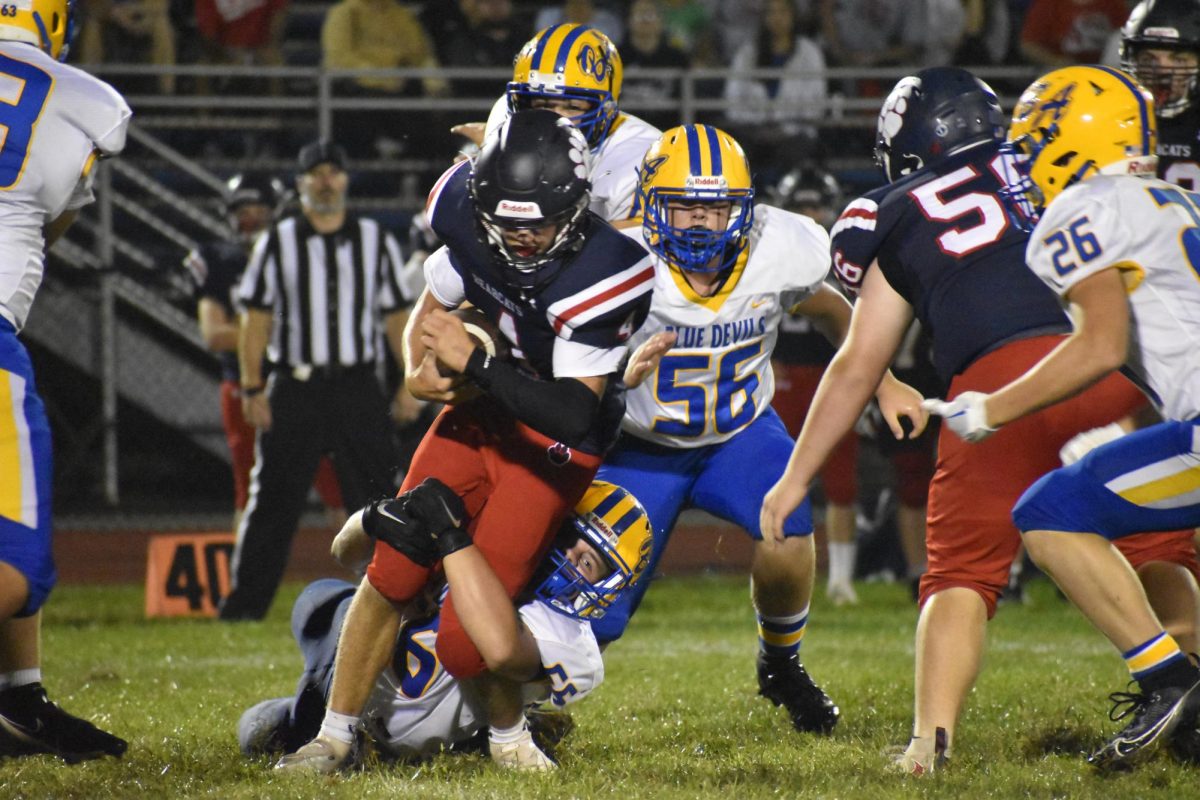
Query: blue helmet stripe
point(1142, 106)
point(693, 143)
point(564, 49)
point(715, 146)
point(535, 63)
point(631, 516)
point(609, 503)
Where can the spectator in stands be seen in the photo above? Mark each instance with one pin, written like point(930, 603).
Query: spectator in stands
point(248, 32)
point(648, 47)
point(583, 12)
point(1058, 33)
point(130, 32)
point(488, 37)
point(379, 34)
point(735, 24)
point(689, 27)
point(872, 33)
point(945, 25)
point(765, 114)
point(987, 33)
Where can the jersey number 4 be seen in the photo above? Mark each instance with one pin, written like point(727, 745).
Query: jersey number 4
point(992, 221)
point(23, 92)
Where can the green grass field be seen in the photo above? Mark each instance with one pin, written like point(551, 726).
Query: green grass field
point(676, 718)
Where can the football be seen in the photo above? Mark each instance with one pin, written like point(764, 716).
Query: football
point(483, 332)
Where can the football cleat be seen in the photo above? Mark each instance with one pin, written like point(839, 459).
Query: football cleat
point(548, 727)
point(33, 724)
point(923, 756)
point(262, 729)
point(785, 682)
point(521, 755)
point(321, 756)
point(1156, 715)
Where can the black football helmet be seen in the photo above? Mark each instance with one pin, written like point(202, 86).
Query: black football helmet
point(249, 189)
point(244, 189)
point(931, 115)
point(1164, 25)
point(811, 190)
point(532, 172)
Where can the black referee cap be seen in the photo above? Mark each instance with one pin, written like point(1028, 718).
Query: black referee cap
point(320, 152)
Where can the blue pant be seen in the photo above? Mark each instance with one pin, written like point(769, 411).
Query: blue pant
point(728, 480)
point(1146, 481)
point(26, 467)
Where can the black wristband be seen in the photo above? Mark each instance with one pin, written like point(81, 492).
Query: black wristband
point(251, 391)
point(452, 540)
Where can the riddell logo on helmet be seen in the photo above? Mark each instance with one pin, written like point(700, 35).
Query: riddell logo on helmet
point(707, 182)
point(1161, 33)
point(518, 210)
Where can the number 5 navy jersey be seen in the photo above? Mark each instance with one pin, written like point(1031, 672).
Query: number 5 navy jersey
point(945, 244)
point(577, 322)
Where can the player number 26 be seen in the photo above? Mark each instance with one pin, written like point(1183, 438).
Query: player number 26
point(1073, 245)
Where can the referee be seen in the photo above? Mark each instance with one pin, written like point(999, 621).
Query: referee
point(316, 288)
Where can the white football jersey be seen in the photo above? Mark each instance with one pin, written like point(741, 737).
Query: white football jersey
point(56, 119)
point(428, 710)
point(1147, 229)
point(717, 377)
point(614, 164)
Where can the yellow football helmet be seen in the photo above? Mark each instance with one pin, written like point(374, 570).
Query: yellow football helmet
point(696, 163)
point(1074, 123)
point(46, 24)
point(612, 521)
point(571, 62)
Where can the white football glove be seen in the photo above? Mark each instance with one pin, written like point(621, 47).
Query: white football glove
point(1086, 442)
point(964, 415)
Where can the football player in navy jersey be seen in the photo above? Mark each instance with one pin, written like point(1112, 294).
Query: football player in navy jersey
point(1160, 46)
point(937, 244)
point(567, 291)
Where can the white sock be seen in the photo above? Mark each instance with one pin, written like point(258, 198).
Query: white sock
point(20, 677)
point(500, 735)
point(339, 727)
point(841, 561)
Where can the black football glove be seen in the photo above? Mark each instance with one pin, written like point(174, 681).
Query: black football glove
point(442, 511)
point(389, 521)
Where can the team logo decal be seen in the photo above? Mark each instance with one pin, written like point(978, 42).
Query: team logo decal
point(558, 454)
point(594, 63)
point(1043, 112)
point(891, 119)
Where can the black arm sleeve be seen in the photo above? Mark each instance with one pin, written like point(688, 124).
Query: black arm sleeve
point(563, 409)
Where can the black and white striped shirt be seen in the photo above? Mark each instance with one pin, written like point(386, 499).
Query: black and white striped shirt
point(326, 291)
